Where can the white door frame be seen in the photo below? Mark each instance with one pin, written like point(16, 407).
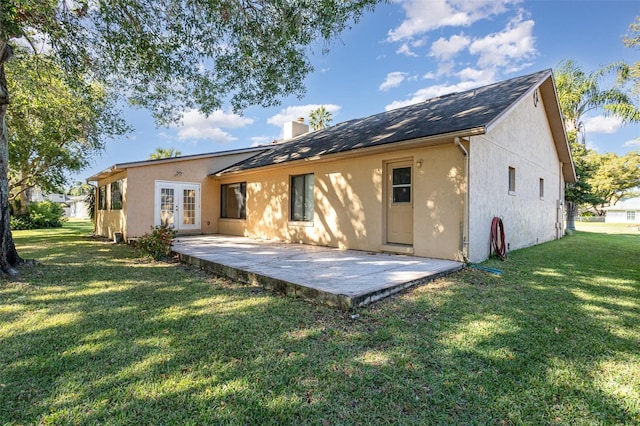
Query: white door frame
point(179, 218)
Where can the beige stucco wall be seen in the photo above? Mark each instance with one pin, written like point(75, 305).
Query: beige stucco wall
point(522, 140)
point(137, 216)
point(108, 222)
point(350, 206)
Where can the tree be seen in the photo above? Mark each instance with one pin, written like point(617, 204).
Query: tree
point(614, 177)
point(52, 127)
point(580, 192)
point(164, 153)
point(632, 39)
point(319, 118)
point(579, 93)
point(170, 55)
point(81, 188)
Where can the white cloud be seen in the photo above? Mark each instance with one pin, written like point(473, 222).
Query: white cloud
point(394, 79)
point(514, 44)
point(198, 126)
point(427, 15)
point(632, 143)
point(213, 133)
point(446, 68)
point(444, 49)
point(404, 49)
point(602, 124)
point(480, 77)
point(293, 112)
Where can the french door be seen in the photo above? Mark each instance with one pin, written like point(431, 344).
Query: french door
point(177, 204)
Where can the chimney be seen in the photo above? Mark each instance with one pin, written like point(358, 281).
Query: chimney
point(295, 128)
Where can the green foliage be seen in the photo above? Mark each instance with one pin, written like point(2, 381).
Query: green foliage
point(156, 244)
point(614, 176)
point(581, 192)
point(90, 199)
point(320, 118)
point(632, 40)
point(81, 188)
point(44, 214)
point(164, 153)
point(579, 93)
point(53, 128)
point(193, 54)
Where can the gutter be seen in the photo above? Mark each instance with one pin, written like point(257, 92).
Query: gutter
point(440, 139)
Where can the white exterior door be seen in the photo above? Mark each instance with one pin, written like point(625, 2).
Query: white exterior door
point(177, 205)
point(399, 203)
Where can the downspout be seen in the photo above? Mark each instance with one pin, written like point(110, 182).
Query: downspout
point(465, 219)
point(560, 205)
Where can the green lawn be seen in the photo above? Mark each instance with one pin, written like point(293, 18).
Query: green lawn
point(95, 335)
point(609, 228)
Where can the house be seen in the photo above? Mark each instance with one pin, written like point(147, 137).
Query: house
point(624, 211)
point(73, 206)
point(78, 207)
point(133, 197)
point(425, 179)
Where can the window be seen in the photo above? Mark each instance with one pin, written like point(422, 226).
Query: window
point(167, 206)
point(512, 180)
point(631, 216)
point(233, 199)
point(302, 198)
point(102, 197)
point(188, 207)
point(541, 188)
point(116, 195)
point(401, 185)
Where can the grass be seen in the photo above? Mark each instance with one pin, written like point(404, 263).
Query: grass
point(96, 335)
point(609, 228)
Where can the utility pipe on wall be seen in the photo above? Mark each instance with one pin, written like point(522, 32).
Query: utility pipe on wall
point(465, 219)
point(560, 204)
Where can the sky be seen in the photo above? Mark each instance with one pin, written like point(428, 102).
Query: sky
point(409, 51)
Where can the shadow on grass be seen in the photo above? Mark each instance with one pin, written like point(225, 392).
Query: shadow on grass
point(97, 336)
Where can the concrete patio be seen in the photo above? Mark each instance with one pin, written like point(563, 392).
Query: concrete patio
point(334, 277)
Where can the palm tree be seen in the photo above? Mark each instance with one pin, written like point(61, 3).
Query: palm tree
point(319, 118)
point(579, 93)
point(80, 188)
point(164, 153)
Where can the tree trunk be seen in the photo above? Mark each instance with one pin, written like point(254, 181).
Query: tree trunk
point(9, 258)
point(572, 210)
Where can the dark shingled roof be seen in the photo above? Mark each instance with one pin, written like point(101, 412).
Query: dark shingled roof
point(456, 112)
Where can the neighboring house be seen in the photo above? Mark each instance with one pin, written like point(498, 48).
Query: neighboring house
point(69, 204)
point(624, 211)
point(78, 207)
point(425, 179)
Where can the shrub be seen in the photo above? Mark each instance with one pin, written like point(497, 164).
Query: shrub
point(156, 244)
point(41, 215)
